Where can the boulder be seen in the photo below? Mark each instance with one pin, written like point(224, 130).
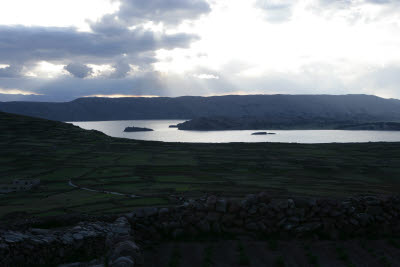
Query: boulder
point(213, 216)
point(126, 248)
point(123, 262)
point(211, 202)
point(263, 198)
point(150, 211)
point(234, 207)
point(204, 226)
point(221, 205)
point(177, 233)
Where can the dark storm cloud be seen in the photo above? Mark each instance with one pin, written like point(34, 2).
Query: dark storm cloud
point(121, 69)
point(166, 11)
point(78, 70)
point(22, 44)
point(118, 39)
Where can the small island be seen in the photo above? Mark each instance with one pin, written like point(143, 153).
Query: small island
point(261, 133)
point(137, 129)
point(173, 126)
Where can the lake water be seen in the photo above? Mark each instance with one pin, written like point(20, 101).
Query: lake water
point(163, 133)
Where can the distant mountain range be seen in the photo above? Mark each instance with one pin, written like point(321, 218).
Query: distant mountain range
point(275, 108)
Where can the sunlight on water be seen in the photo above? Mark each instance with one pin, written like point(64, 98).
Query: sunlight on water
point(162, 132)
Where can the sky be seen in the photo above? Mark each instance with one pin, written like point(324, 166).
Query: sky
point(60, 50)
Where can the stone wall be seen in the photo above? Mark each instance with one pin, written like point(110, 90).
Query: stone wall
point(260, 215)
point(98, 241)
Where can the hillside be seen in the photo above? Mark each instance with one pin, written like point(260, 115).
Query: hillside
point(363, 108)
point(157, 172)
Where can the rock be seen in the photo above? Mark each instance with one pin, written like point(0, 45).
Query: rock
point(163, 211)
point(123, 262)
point(302, 202)
point(253, 210)
point(251, 226)
point(263, 209)
point(221, 206)
point(263, 198)
point(216, 228)
point(150, 211)
point(77, 236)
point(289, 226)
point(372, 201)
point(374, 210)
point(138, 213)
point(354, 222)
point(37, 231)
point(121, 228)
point(291, 204)
point(199, 206)
point(363, 218)
point(294, 219)
point(213, 216)
point(238, 222)
point(261, 226)
point(308, 227)
point(204, 226)
point(75, 264)
point(227, 219)
point(125, 248)
point(249, 200)
point(335, 213)
point(211, 202)
point(234, 207)
point(177, 233)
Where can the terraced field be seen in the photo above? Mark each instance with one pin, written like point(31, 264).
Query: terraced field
point(56, 152)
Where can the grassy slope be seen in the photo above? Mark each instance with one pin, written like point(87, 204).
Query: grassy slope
point(55, 152)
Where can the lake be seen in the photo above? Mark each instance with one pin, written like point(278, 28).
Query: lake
point(163, 133)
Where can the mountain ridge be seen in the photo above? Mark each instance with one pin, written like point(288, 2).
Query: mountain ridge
point(344, 107)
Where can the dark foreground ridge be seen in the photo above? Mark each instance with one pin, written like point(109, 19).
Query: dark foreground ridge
point(364, 108)
point(125, 242)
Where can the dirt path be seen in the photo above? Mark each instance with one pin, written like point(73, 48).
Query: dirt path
point(70, 183)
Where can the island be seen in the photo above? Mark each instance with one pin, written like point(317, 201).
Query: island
point(261, 133)
point(137, 129)
point(173, 126)
point(284, 123)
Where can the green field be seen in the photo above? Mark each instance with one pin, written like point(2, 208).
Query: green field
point(56, 152)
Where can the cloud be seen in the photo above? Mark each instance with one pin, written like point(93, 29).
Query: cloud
point(381, 81)
point(79, 70)
point(121, 69)
point(11, 71)
point(276, 11)
point(206, 76)
point(166, 11)
point(20, 43)
point(9, 91)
